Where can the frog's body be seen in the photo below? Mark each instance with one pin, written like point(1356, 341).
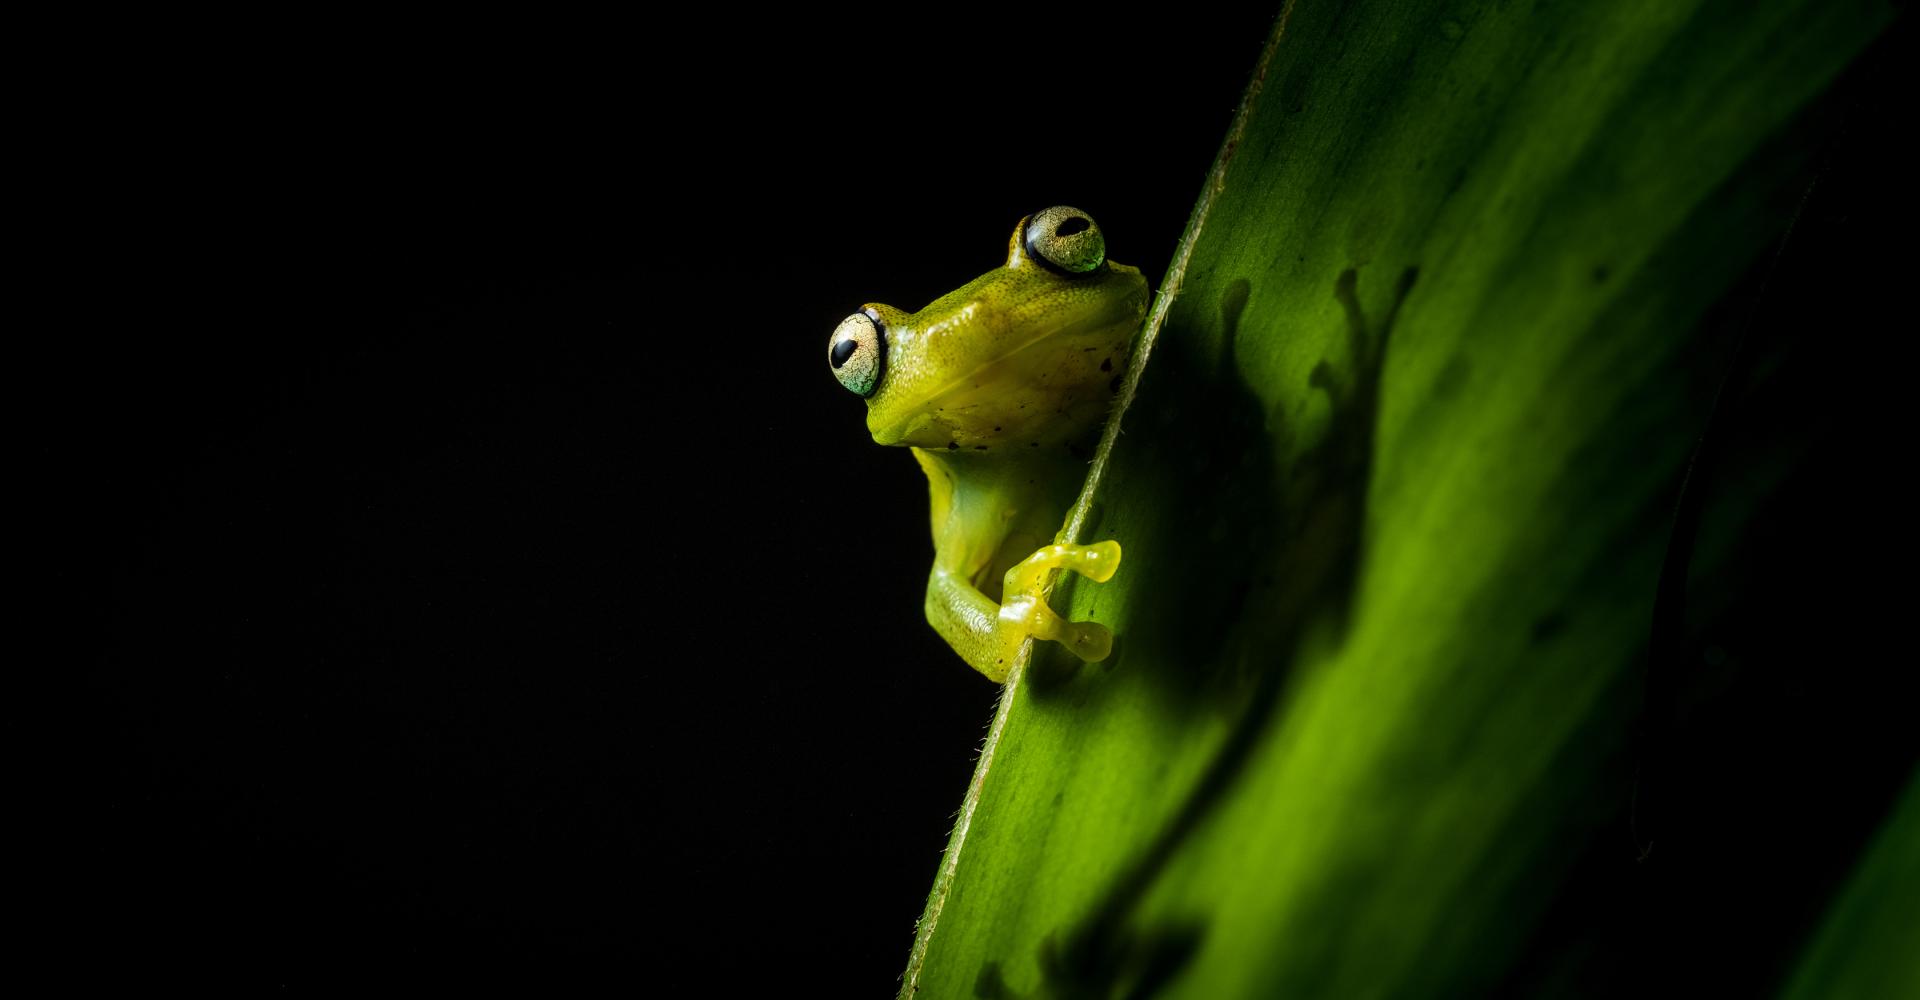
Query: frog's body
point(999, 388)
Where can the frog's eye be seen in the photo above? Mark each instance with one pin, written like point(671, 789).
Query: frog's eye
point(1066, 240)
point(858, 352)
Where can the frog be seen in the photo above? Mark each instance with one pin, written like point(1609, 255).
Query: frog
point(1000, 388)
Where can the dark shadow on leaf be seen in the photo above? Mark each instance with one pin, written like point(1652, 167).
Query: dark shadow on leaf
point(1198, 434)
point(1255, 561)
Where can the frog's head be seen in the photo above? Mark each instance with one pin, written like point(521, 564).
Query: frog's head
point(1027, 354)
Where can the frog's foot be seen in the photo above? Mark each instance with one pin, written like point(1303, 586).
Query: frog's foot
point(1023, 613)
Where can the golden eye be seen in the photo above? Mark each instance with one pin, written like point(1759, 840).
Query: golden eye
point(858, 352)
point(1065, 240)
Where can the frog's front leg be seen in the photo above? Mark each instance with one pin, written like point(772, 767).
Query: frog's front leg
point(988, 513)
point(988, 635)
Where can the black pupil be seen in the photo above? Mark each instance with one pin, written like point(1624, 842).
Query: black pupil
point(844, 350)
point(1071, 226)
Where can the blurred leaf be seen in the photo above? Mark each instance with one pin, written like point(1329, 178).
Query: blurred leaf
point(1865, 947)
point(1395, 485)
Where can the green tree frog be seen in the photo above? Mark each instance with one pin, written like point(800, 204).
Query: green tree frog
point(1000, 387)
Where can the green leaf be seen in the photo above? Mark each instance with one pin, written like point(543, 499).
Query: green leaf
point(1865, 946)
point(1394, 482)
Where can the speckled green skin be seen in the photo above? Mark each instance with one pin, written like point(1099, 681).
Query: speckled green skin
point(1000, 387)
point(1018, 356)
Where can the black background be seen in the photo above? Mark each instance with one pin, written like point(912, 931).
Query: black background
point(479, 564)
point(478, 567)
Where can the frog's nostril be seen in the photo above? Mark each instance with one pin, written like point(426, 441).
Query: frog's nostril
point(1071, 226)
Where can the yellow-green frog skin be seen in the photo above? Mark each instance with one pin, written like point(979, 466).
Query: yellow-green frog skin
point(1000, 388)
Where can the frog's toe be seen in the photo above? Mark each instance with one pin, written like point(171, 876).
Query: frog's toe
point(1090, 641)
point(1097, 562)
